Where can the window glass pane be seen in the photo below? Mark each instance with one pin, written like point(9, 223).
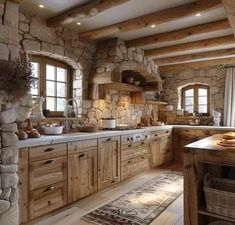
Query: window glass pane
point(189, 108)
point(35, 89)
point(202, 108)
point(202, 92)
point(35, 67)
point(189, 101)
point(60, 104)
point(61, 89)
point(61, 74)
point(50, 72)
point(202, 100)
point(50, 88)
point(50, 103)
point(189, 93)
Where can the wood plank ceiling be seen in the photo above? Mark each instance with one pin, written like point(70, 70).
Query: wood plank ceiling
point(196, 45)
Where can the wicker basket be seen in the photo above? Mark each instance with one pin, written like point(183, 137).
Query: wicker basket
point(220, 222)
point(220, 195)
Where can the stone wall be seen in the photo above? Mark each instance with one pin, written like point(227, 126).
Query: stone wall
point(113, 55)
point(61, 44)
point(116, 105)
point(174, 81)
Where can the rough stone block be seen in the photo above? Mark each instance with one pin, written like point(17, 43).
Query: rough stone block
point(9, 139)
point(10, 155)
point(11, 216)
point(9, 180)
point(4, 51)
point(11, 14)
point(14, 52)
point(47, 47)
point(31, 45)
point(22, 113)
point(14, 195)
point(59, 50)
point(4, 206)
point(24, 27)
point(8, 116)
point(6, 192)
point(39, 30)
point(9, 168)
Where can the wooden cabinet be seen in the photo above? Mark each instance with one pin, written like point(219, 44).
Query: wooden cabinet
point(200, 134)
point(47, 199)
point(182, 137)
point(134, 154)
point(23, 185)
point(161, 147)
point(108, 161)
point(82, 170)
point(47, 179)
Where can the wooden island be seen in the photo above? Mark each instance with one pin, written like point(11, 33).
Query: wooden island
point(200, 158)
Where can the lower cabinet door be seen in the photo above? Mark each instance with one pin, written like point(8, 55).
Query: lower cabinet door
point(82, 175)
point(47, 199)
point(108, 161)
point(154, 157)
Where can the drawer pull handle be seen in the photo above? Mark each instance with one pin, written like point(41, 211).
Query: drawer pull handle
point(167, 131)
point(129, 161)
point(83, 156)
point(49, 189)
point(129, 146)
point(109, 139)
point(156, 135)
point(142, 143)
point(49, 162)
point(49, 149)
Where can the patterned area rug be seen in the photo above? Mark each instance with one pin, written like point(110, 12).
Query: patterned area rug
point(141, 205)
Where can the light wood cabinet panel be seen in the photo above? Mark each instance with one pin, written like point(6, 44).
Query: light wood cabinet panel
point(154, 151)
point(23, 185)
point(108, 161)
point(182, 137)
point(47, 199)
point(47, 152)
point(200, 134)
point(47, 172)
point(82, 146)
point(82, 175)
point(166, 149)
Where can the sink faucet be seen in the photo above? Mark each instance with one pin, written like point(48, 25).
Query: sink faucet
point(66, 112)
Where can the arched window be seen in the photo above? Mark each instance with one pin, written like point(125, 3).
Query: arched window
point(54, 83)
point(195, 98)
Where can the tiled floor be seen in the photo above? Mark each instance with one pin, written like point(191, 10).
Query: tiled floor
point(173, 215)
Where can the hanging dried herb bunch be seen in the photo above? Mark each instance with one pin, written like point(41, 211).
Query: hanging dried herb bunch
point(16, 78)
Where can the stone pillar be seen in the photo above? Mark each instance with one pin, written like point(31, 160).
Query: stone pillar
point(9, 195)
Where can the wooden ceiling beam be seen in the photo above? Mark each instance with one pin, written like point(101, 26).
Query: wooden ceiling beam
point(187, 48)
point(16, 1)
point(197, 65)
point(156, 18)
point(179, 34)
point(85, 11)
point(229, 6)
point(196, 57)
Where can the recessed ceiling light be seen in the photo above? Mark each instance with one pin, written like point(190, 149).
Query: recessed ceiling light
point(41, 6)
point(198, 14)
point(153, 25)
point(78, 23)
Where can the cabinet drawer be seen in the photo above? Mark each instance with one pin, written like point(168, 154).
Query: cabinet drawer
point(47, 172)
point(81, 146)
point(45, 200)
point(128, 152)
point(160, 133)
point(134, 166)
point(47, 152)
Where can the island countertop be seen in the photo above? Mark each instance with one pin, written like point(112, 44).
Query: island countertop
point(210, 144)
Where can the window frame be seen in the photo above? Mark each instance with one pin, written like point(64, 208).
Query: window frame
point(43, 61)
point(196, 87)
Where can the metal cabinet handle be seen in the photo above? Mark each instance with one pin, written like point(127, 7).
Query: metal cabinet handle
point(49, 162)
point(83, 156)
point(109, 139)
point(51, 188)
point(49, 149)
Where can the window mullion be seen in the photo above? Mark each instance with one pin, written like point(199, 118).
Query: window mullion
point(196, 100)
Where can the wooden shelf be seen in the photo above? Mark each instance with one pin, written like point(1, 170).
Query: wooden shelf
point(123, 87)
point(156, 102)
point(203, 211)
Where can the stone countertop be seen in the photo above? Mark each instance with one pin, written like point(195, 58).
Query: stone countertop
point(209, 144)
point(55, 139)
